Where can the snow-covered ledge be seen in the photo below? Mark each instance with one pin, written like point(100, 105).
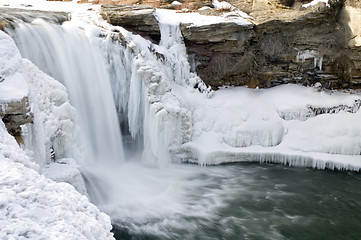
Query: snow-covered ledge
point(289, 124)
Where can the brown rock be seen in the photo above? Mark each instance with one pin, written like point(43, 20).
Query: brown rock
point(14, 114)
point(137, 19)
point(274, 51)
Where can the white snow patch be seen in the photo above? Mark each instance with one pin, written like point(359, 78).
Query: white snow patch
point(9, 149)
point(176, 3)
point(315, 2)
point(225, 6)
point(65, 170)
point(13, 86)
point(196, 19)
point(204, 8)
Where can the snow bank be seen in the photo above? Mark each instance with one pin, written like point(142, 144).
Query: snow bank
point(13, 86)
point(35, 207)
point(10, 149)
point(241, 124)
point(66, 170)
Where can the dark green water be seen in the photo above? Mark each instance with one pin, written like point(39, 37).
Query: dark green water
point(253, 201)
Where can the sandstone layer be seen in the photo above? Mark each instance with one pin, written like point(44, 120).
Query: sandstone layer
point(137, 19)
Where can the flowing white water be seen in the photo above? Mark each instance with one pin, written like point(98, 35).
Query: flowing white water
point(65, 53)
point(98, 71)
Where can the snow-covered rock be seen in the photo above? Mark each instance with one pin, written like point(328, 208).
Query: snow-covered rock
point(34, 207)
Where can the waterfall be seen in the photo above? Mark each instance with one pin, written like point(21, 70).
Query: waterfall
point(116, 80)
point(65, 53)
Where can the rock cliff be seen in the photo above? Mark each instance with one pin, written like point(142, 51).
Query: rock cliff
point(288, 42)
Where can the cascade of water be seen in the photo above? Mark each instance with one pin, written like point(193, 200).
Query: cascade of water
point(65, 53)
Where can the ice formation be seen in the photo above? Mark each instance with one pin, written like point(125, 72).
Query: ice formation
point(309, 54)
point(260, 131)
point(35, 207)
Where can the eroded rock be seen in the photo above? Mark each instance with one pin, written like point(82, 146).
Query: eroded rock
point(137, 19)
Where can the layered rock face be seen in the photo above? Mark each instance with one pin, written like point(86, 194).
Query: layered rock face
point(283, 46)
point(8, 17)
point(286, 43)
point(137, 19)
